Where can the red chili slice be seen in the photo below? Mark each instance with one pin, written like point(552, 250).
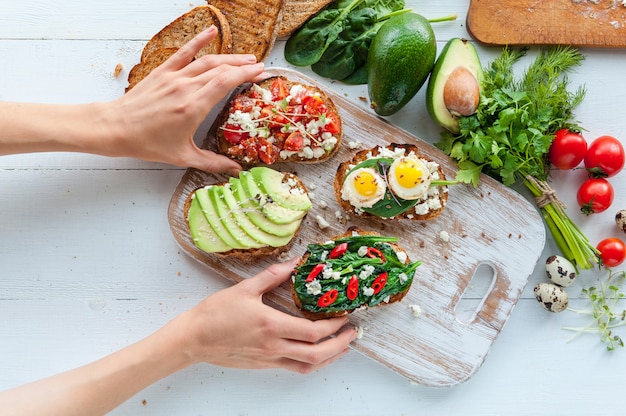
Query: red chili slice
point(379, 282)
point(352, 291)
point(315, 272)
point(374, 252)
point(338, 251)
point(328, 298)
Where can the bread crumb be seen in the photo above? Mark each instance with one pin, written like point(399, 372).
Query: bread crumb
point(322, 204)
point(283, 256)
point(118, 70)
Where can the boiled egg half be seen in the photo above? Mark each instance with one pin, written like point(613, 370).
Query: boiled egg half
point(409, 177)
point(363, 187)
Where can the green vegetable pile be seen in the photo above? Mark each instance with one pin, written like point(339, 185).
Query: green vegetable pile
point(510, 134)
point(335, 42)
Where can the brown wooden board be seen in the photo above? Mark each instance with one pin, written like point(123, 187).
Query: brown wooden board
point(491, 227)
point(548, 22)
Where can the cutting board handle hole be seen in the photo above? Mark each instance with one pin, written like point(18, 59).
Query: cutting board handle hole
point(476, 291)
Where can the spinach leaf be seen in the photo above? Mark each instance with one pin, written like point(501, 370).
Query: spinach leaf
point(308, 44)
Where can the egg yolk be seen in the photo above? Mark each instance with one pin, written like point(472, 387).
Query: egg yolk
point(408, 173)
point(365, 184)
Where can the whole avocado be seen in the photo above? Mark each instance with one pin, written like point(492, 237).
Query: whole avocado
point(400, 58)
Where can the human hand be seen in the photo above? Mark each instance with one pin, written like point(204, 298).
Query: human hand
point(234, 328)
point(159, 116)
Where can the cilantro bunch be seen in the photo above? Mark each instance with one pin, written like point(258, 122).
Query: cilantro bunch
point(510, 134)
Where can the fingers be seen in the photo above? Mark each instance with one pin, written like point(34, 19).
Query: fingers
point(209, 161)
point(185, 54)
point(272, 276)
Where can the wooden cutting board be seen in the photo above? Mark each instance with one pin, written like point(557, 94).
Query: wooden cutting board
point(490, 228)
point(548, 22)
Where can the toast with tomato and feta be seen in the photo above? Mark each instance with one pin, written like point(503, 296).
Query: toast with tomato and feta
point(278, 120)
point(391, 182)
point(354, 270)
point(257, 214)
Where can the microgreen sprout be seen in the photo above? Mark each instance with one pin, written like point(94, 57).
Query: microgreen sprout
point(604, 299)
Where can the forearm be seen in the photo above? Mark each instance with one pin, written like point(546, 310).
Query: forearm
point(99, 387)
point(29, 127)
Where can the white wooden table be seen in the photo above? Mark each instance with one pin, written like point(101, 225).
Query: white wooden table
point(88, 264)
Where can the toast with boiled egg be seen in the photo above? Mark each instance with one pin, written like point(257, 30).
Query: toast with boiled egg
point(358, 269)
point(391, 182)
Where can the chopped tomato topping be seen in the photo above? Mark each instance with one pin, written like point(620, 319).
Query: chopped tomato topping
point(233, 134)
point(242, 103)
point(249, 147)
point(333, 125)
point(279, 89)
point(313, 104)
point(294, 142)
point(268, 153)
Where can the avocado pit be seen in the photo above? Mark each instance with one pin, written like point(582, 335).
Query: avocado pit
point(461, 92)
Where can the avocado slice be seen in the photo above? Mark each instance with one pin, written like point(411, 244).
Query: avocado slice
point(457, 53)
point(225, 216)
point(246, 224)
point(252, 209)
point(213, 218)
point(270, 181)
point(203, 235)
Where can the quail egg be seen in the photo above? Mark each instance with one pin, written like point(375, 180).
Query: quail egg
point(553, 298)
point(409, 177)
point(560, 271)
point(620, 219)
point(363, 188)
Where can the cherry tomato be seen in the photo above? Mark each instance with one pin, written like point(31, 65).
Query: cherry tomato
point(294, 142)
point(333, 124)
point(612, 251)
point(268, 153)
point(568, 149)
point(595, 195)
point(279, 89)
point(233, 134)
point(605, 157)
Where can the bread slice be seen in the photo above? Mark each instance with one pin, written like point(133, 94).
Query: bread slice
point(433, 205)
point(297, 12)
point(187, 26)
point(253, 23)
point(250, 255)
point(165, 43)
point(151, 61)
point(381, 281)
point(249, 151)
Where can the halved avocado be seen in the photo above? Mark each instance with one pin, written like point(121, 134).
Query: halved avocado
point(457, 55)
point(271, 182)
point(202, 234)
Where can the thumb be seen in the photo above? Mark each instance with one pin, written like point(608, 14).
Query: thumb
point(273, 276)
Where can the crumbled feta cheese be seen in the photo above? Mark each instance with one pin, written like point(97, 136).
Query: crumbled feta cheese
point(401, 256)
point(362, 251)
point(415, 310)
point(322, 204)
point(444, 236)
point(329, 273)
point(366, 272)
point(321, 222)
point(359, 331)
point(402, 277)
point(314, 287)
point(368, 291)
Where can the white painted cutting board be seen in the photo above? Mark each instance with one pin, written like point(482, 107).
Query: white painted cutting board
point(490, 226)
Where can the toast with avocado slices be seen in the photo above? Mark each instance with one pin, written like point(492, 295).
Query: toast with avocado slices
point(278, 120)
point(351, 271)
point(391, 182)
point(257, 214)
